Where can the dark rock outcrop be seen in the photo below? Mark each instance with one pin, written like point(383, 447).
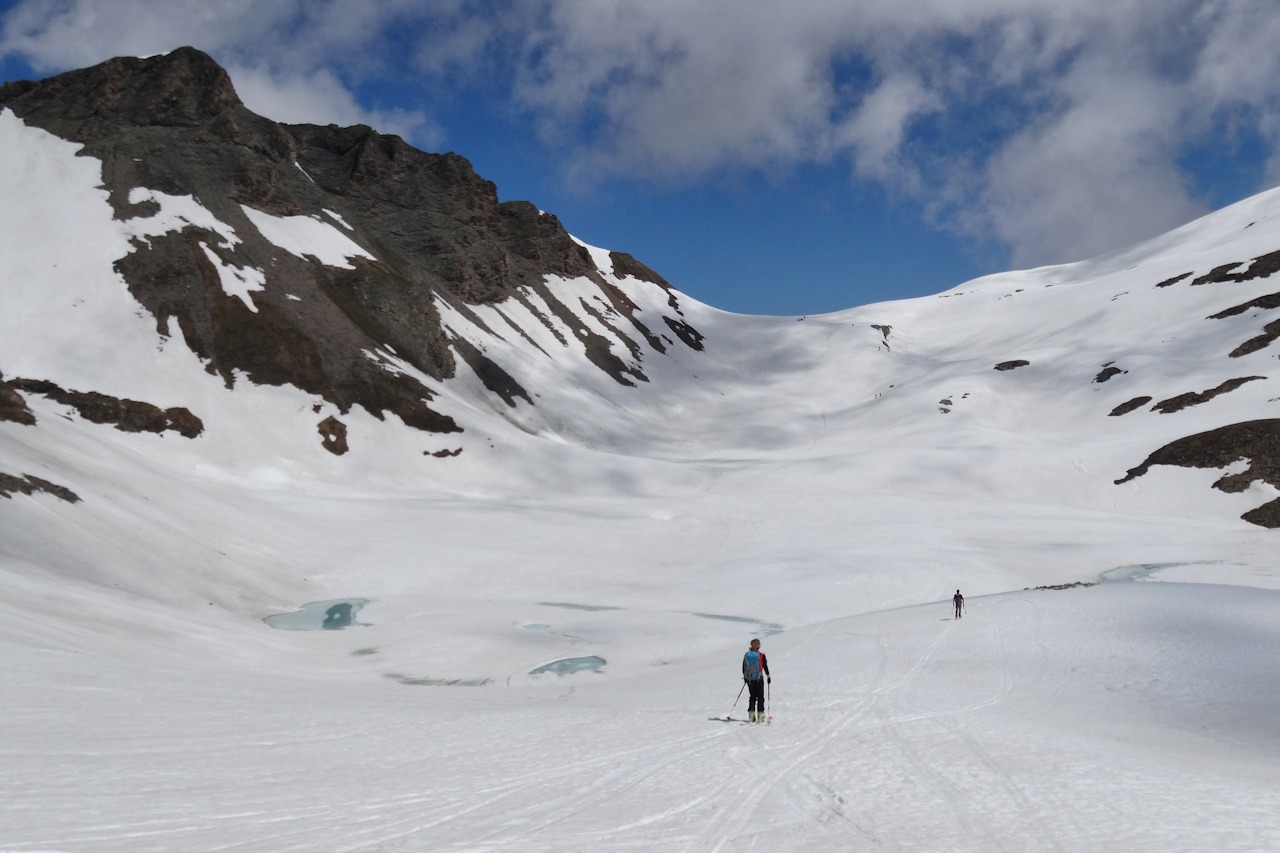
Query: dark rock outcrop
point(1195, 398)
point(1256, 442)
point(13, 407)
point(124, 415)
point(625, 265)
point(1168, 282)
point(1129, 406)
point(333, 432)
point(1109, 370)
point(31, 485)
point(1261, 267)
point(1270, 333)
point(1271, 300)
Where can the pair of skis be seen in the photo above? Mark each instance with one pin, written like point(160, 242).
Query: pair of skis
point(768, 720)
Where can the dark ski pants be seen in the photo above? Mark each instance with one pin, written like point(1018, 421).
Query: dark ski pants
point(755, 695)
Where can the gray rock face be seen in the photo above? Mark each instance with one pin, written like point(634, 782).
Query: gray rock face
point(174, 124)
point(1256, 442)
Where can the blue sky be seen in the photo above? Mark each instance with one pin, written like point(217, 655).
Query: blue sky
point(765, 157)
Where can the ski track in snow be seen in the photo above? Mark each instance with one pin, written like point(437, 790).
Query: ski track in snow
point(894, 730)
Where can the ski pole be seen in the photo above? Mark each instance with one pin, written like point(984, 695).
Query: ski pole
point(735, 701)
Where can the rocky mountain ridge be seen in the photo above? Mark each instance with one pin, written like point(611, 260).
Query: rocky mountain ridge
point(428, 229)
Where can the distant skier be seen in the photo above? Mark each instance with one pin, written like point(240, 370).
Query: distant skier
point(958, 601)
point(755, 672)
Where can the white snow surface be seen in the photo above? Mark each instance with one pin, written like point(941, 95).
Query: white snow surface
point(797, 481)
point(237, 281)
point(307, 235)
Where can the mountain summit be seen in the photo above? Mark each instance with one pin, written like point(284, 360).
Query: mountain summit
point(317, 246)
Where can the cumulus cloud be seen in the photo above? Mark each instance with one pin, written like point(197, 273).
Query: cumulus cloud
point(320, 97)
point(1055, 128)
point(875, 131)
point(674, 88)
point(55, 35)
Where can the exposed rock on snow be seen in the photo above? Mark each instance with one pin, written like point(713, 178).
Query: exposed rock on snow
point(334, 434)
point(1168, 282)
point(1270, 332)
point(1130, 406)
point(30, 485)
point(1257, 442)
point(1195, 398)
point(124, 415)
point(884, 330)
point(1261, 267)
point(1271, 300)
point(1108, 371)
point(13, 407)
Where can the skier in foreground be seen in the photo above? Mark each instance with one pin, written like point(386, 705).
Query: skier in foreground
point(958, 601)
point(755, 672)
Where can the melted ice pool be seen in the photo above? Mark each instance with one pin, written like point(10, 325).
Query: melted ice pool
point(320, 616)
point(568, 665)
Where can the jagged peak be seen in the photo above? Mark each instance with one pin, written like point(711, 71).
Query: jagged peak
point(184, 87)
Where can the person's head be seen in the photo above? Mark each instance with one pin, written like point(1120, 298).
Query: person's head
point(755, 645)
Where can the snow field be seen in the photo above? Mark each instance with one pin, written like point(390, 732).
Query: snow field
point(1127, 716)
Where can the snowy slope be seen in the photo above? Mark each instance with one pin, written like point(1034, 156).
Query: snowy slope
point(1134, 717)
point(823, 481)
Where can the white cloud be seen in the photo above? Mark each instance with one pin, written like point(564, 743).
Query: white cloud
point(677, 88)
point(56, 35)
point(1057, 128)
point(320, 97)
point(1098, 173)
point(875, 130)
